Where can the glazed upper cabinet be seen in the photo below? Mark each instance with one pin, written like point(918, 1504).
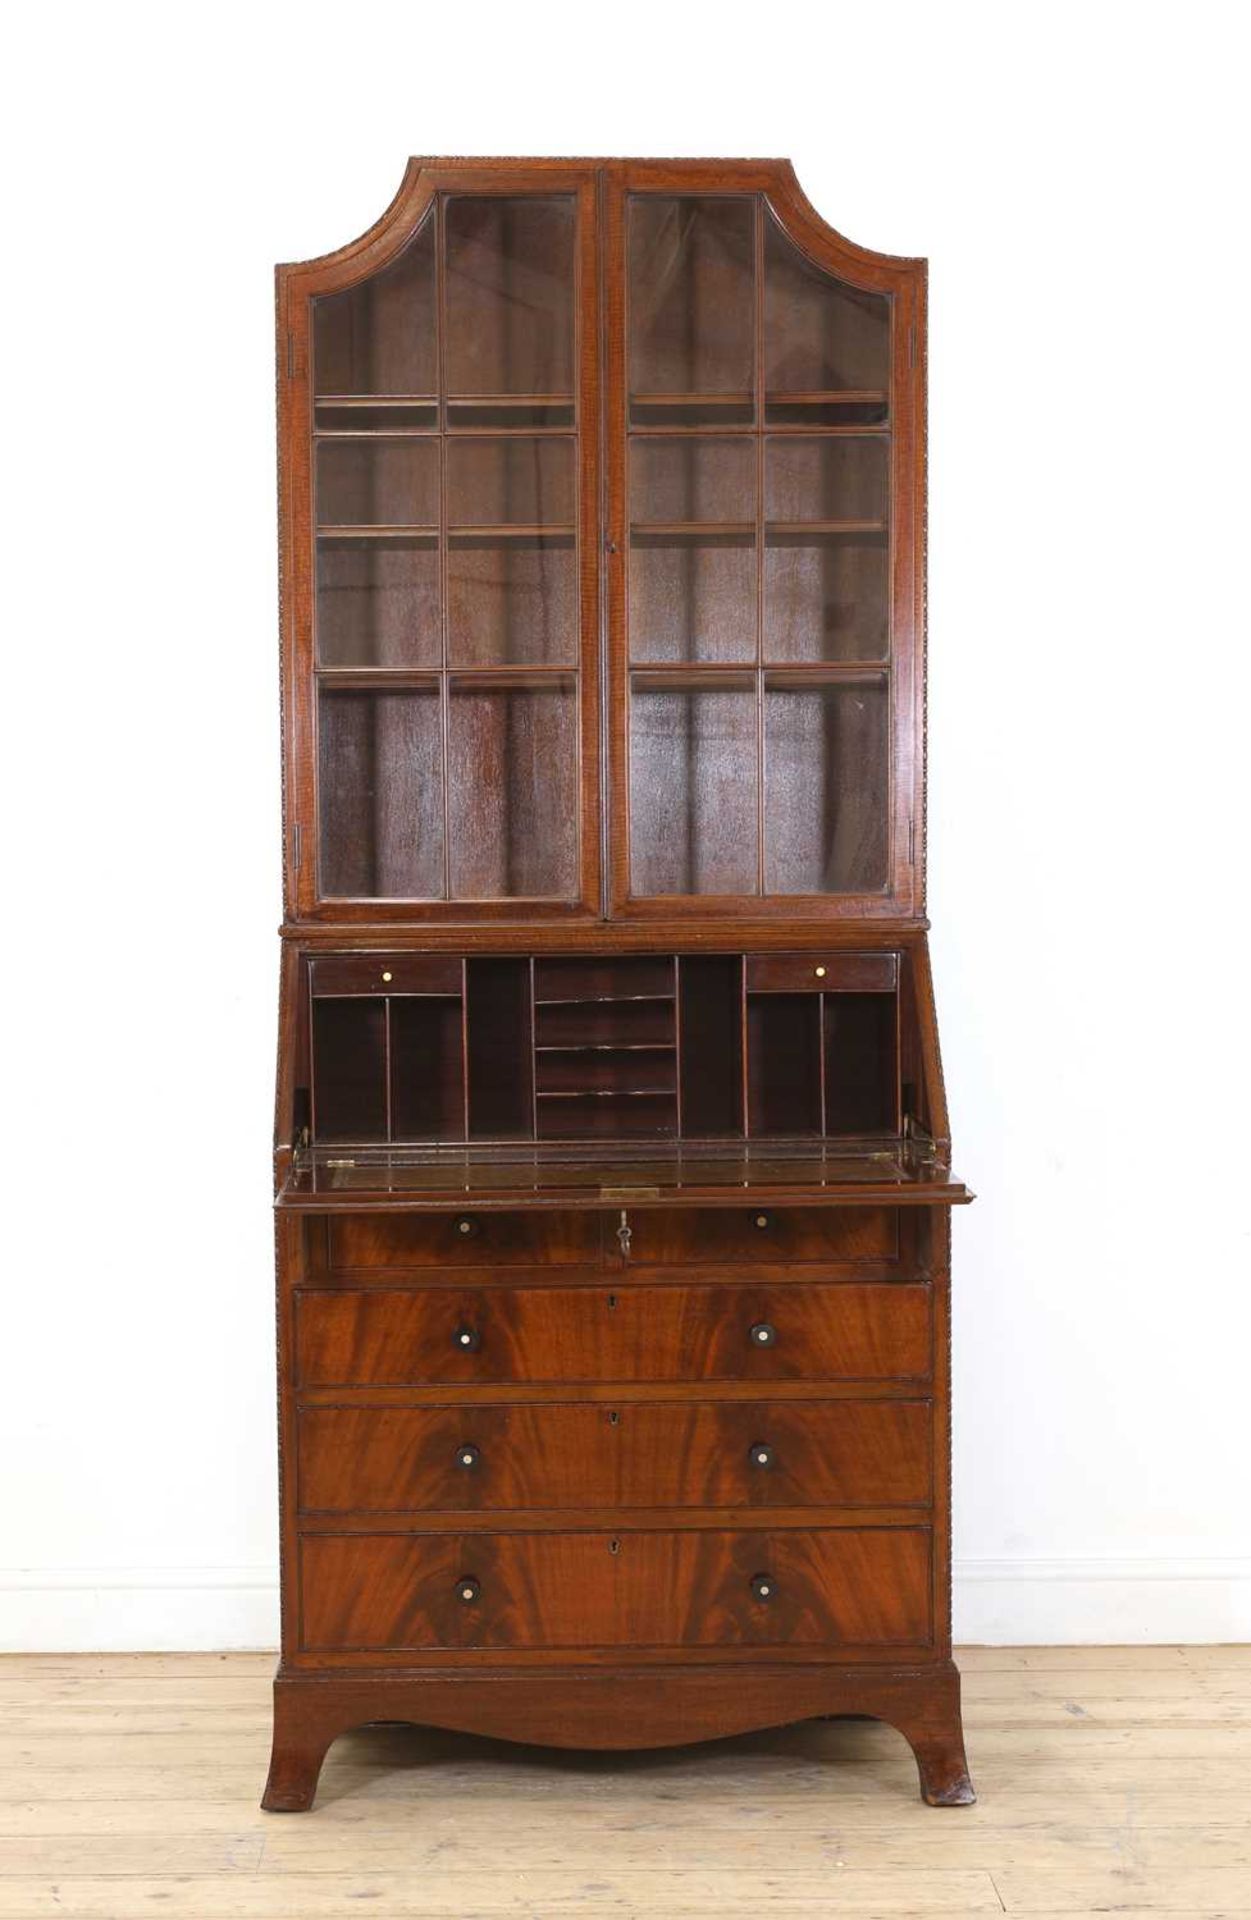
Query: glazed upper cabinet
point(602, 542)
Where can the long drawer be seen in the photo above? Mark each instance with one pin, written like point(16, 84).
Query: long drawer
point(502, 1591)
point(442, 1335)
point(645, 1454)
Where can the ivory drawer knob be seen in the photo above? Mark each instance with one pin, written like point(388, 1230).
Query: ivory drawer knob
point(764, 1587)
point(386, 976)
point(763, 1335)
point(468, 1457)
point(761, 1455)
point(467, 1590)
point(467, 1339)
point(820, 972)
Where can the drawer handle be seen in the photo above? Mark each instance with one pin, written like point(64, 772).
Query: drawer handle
point(468, 1457)
point(467, 1589)
point(466, 1227)
point(763, 1334)
point(761, 1455)
point(467, 1339)
point(764, 1587)
point(763, 1221)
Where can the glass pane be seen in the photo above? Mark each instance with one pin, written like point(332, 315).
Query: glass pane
point(512, 602)
point(510, 281)
point(377, 602)
point(379, 337)
point(827, 560)
point(515, 482)
point(680, 480)
point(377, 482)
point(834, 478)
point(513, 789)
point(826, 597)
point(379, 793)
point(691, 309)
point(693, 795)
point(821, 335)
point(692, 594)
point(692, 597)
point(827, 785)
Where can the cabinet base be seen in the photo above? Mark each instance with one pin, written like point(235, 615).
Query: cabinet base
point(657, 1707)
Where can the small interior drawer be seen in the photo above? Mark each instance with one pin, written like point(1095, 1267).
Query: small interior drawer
point(822, 972)
point(717, 1236)
point(464, 1240)
point(493, 1459)
point(353, 973)
point(794, 1587)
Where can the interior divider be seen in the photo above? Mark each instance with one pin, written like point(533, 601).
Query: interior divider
point(700, 1046)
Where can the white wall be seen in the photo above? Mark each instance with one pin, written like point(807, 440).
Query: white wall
point(1073, 173)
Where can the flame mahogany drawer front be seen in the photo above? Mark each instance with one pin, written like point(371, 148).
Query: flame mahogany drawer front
point(644, 1454)
point(464, 1240)
point(793, 1331)
point(660, 1236)
point(685, 1236)
point(505, 1591)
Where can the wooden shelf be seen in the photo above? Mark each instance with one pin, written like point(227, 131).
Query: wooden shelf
point(604, 1093)
point(509, 532)
point(606, 1046)
point(378, 533)
point(692, 399)
point(708, 529)
point(829, 397)
point(375, 399)
point(600, 999)
point(791, 527)
point(511, 400)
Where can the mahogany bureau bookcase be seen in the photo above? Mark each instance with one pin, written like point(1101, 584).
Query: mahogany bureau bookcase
point(612, 1165)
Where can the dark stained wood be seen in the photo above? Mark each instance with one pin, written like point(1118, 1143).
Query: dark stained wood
point(679, 1454)
point(822, 973)
point(561, 1591)
point(388, 973)
point(390, 1336)
point(604, 856)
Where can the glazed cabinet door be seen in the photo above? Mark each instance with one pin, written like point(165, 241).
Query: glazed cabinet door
point(441, 553)
point(763, 390)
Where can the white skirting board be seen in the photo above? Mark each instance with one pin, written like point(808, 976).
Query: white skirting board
point(997, 1603)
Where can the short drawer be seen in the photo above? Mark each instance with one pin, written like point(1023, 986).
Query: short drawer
point(644, 1454)
point(464, 1240)
point(395, 1337)
point(508, 1591)
point(822, 972)
point(354, 973)
point(715, 1236)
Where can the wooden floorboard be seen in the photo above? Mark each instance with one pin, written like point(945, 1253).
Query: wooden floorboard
point(1110, 1780)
